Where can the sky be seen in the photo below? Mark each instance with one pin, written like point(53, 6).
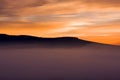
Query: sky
point(93, 20)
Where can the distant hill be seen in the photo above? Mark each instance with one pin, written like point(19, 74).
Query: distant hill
point(31, 39)
point(53, 42)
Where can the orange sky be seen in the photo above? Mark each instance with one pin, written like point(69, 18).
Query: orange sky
point(94, 20)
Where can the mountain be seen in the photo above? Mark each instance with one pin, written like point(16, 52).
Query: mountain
point(31, 39)
point(51, 42)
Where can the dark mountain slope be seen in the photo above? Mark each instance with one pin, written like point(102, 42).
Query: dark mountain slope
point(53, 42)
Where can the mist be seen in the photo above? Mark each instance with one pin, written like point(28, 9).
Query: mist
point(32, 62)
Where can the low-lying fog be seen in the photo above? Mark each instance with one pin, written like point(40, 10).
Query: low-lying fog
point(92, 62)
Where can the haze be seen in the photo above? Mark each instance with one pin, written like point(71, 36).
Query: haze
point(32, 62)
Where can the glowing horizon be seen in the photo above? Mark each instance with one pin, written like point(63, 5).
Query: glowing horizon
point(93, 20)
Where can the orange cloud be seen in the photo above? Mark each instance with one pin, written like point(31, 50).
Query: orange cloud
point(108, 33)
point(35, 29)
point(94, 20)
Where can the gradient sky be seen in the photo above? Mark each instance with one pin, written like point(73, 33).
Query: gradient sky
point(94, 20)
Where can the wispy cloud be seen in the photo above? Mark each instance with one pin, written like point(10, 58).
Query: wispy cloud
point(52, 18)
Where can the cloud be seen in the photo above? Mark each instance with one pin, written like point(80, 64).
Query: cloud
point(9, 7)
point(31, 7)
point(114, 3)
point(104, 33)
point(54, 18)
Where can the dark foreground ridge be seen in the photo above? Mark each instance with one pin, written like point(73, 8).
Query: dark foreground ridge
point(50, 41)
point(61, 41)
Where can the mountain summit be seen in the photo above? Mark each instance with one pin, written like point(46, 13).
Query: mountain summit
point(61, 41)
point(44, 42)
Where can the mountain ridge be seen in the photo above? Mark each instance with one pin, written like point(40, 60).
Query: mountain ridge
point(59, 41)
point(5, 37)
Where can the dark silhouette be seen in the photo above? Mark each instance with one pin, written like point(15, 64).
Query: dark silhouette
point(44, 42)
point(61, 41)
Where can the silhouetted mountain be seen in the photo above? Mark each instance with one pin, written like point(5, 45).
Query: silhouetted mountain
point(65, 41)
point(53, 42)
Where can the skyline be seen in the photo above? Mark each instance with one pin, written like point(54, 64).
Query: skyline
point(93, 20)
